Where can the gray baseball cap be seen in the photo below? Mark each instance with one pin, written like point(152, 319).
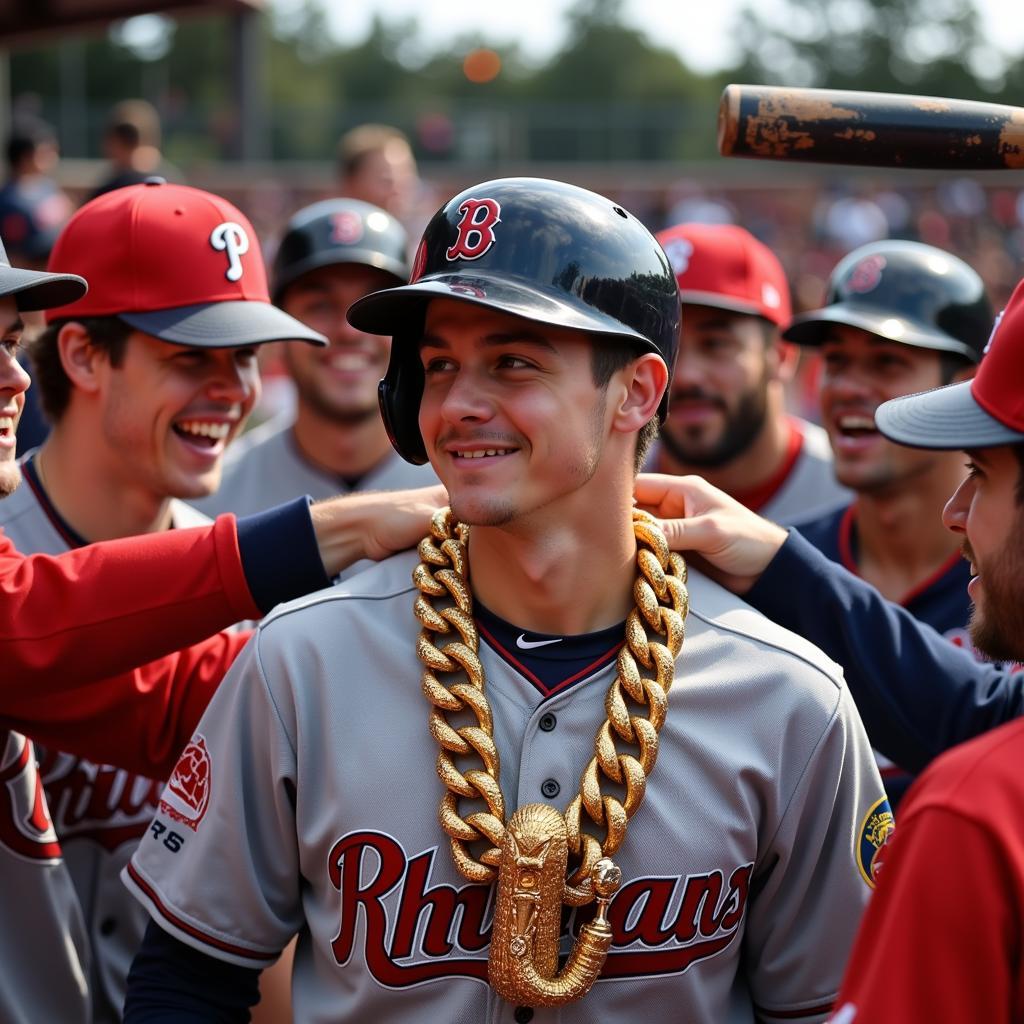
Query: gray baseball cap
point(35, 289)
point(981, 413)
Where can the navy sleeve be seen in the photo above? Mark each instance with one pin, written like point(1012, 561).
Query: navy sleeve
point(171, 983)
point(917, 693)
point(280, 554)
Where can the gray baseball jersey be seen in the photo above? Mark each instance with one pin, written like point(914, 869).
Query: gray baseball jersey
point(70, 962)
point(810, 487)
point(307, 801)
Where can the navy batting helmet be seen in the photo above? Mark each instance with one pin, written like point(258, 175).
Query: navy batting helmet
point(907, 292)
point(549, 252)
point(340, 231)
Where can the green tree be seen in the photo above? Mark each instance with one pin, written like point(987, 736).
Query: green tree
point(933, 47)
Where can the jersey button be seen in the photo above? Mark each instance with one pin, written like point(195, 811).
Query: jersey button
point(550, 789)
point(548, 722)
point(108, 926)
point(523, 1014)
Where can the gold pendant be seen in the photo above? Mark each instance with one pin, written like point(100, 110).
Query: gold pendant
point(528, 914)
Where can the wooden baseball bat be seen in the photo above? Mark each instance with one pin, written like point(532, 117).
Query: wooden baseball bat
point(872, 129)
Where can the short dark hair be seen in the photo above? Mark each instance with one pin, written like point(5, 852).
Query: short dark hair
point(27, 135)
point(134, 123)
point(107, 333)
point(607, 358)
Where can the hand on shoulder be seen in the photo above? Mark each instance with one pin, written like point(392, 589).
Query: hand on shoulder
point(734, 545)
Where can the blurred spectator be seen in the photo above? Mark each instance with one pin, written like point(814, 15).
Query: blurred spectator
point(33, 208)
point(131, 142)
point(376, 164)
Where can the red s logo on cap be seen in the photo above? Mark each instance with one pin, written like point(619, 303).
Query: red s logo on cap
point(231, 238)
point(476, 229)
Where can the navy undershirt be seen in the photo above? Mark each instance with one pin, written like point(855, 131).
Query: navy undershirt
point(550, 661)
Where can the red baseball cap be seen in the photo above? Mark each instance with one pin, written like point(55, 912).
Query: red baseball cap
point(979, 413)
point(176, 262)
point(725, 266)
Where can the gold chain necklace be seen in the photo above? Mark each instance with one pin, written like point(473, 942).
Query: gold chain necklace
point(528, 856)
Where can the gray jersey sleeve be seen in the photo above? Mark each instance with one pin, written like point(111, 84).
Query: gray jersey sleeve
point(816, 873)
point(228, 812)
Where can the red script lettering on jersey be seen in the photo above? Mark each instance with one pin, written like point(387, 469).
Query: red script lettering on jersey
point(660, 925)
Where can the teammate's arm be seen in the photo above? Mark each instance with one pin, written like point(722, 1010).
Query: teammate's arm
point(79, 622)
point(171, 983)
point(107, 608)
point(917, 693)
point(244, 764)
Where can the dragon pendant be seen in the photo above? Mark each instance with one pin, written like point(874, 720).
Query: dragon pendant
point(523, 965)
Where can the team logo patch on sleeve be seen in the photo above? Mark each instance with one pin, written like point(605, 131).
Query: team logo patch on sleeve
point(873, 839)
point(187, 795)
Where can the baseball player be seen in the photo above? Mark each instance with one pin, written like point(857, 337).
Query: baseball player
point(962, 819)
point(899, 317)
point(531, 357)
point(332, 253)
point(145, 379)
point(729, 421)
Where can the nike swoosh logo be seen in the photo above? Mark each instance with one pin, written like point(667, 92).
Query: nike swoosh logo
point(528, 645)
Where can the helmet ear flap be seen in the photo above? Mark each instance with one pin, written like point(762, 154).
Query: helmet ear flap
point(399, 394)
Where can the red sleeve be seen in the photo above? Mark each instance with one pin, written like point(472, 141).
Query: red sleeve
point(139, 720)
point(107, 608)
point(940, 937)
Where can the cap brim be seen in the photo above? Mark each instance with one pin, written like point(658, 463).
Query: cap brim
point(945, 418)
point(36, 289)
point(339, 258)
point(223, 325)
point(715, 301)
point(390, 311)
point(811, 328)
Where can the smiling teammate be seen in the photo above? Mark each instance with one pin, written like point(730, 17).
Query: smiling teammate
point(728, 418)
point(952, 891)
point(332, 254)
point(531, 356)
point(899, 317)
point(145, 379)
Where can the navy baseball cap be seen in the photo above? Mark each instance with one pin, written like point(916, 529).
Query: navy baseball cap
point(34, 289)
point(980, 413)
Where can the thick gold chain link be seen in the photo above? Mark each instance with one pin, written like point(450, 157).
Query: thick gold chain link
point(660, 607)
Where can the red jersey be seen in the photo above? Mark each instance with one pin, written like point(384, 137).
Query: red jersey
point(942, 941)
point(73, 626)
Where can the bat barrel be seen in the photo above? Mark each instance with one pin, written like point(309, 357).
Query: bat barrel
point(874, 129)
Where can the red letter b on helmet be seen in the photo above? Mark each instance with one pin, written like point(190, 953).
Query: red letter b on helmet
point(476, 229)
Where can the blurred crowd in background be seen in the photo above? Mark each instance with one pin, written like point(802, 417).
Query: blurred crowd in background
point(641, 132)
point(811, 217)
